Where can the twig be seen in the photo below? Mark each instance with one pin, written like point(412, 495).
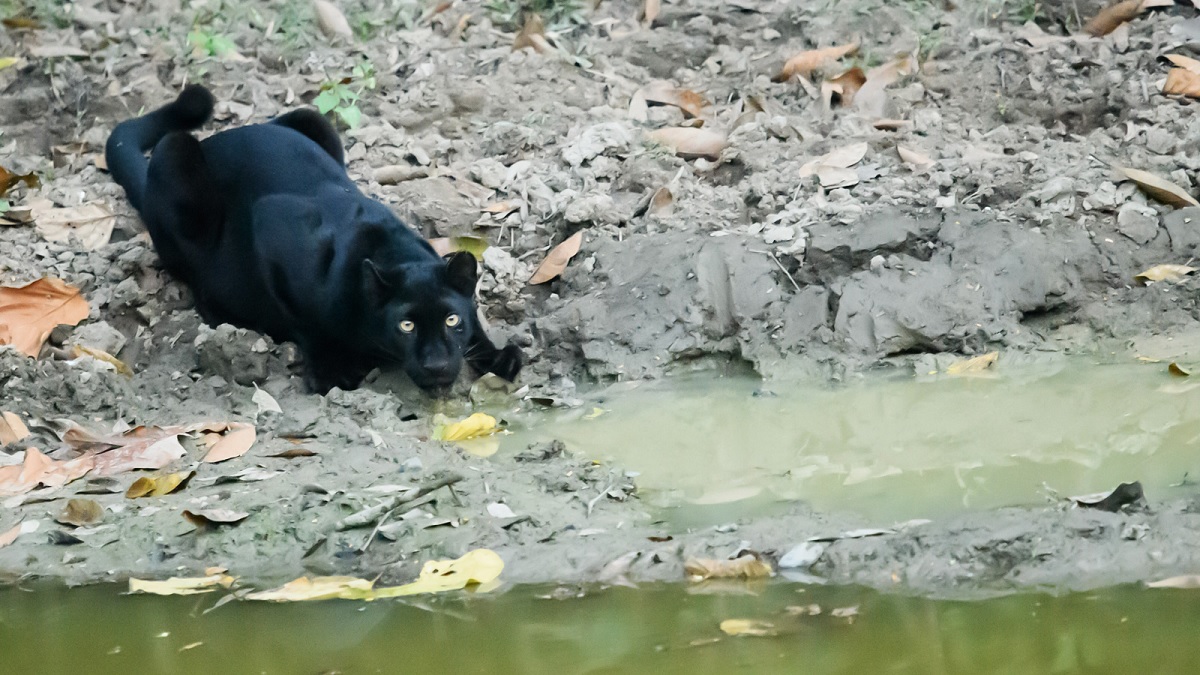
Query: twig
point(597, 498)
point(368, 516)
point(375, 531)
point(780, 266)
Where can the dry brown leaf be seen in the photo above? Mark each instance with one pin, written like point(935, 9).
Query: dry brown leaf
point(331, 20)
point(745, 567)
point(842, 158)
point(90, 224)
point(1184, 581)
point(80, 512)
point(748, 627)
point(294, 453)
point(8, 179)
point(234, 443)
point(28, 313)
point(157, 486)
point(833, 177)
point(10, 536)
point(1185, 62)
point(533, 35)
point(871, 99)
point(916, 159)
point(38, 469)
point(556, 261)
point(1182, 82)
point(1178, 370)
point(1172, 273)
point(1157, 188)
point(660, 202)
point(212, 517)
point(975, 364)
point(1109, 18)
point(650, 12)
point(691, 142)
point(138, 448)
point(56, 51)
point(12, 429)
point(891, 125)
point(848, 84)
point(804, 63)
point(664, 93)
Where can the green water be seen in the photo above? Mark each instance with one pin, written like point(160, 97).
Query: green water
point(707, 450)
point(894, 448)
point(661, 629)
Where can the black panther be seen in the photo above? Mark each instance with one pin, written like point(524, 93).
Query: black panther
point(265, 227)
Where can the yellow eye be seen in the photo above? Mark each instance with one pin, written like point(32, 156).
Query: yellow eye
point(452, 320)
point(407, 326)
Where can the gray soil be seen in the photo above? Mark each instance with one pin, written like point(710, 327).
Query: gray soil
point(1019, 238)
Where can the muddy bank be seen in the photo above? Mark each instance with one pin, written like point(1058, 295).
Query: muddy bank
point(1017, 238)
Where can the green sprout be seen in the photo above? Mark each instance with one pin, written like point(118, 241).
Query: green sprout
point(341, 97)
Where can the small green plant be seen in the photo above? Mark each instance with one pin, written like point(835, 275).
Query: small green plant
point(210, 44)
point(4, 206)
point(341, 97)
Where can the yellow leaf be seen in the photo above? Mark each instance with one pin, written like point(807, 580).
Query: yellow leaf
point(100, 355)
point(8, 62)
point(749, 627)
point(556, 260)
point(1172, 273)
point(475, 426)
point(973, 365)
point(804, 63)
point(476, 567)
point(1163, 190)
point(157, 486)
point(745, 567)
point(181, 585)
point(317, 588)
point(446, 245)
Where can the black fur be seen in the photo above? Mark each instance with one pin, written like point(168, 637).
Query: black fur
point(269, 232)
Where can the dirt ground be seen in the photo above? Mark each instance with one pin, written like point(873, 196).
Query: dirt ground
point(1019, 237)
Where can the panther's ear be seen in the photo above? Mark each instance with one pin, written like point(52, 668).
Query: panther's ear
point(375, 287)
point(461, 272)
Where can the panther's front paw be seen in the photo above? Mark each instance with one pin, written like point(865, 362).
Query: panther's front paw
point(507, 363)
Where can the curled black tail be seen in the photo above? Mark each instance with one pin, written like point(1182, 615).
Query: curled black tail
point(126, 149)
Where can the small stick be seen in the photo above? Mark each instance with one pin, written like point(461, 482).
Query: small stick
point(369, 515)
point(780, 266)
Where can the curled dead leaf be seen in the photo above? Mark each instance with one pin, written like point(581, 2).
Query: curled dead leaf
point(556, 261)
point(533, 35)
point(477, 425)
point(976, 364)
point(650, 11)
point(38, 469)
point(1182, 82)
point(214, 517)
point(182, 585)
point(1110, 18)
point(120, 366)
point(661, 92)
point(1157, 188)
point(843, 158)
point(916, 159)
point(12, 429)
point(847, 85)
point(331, 21)
point(80, 512)
point(748, 627)
point(1185, 62)
point(28, 313)
point(691, 142)
point(157, 486)
point(8, 179)
point(238, 439)
point(745, 567)
point(1178, 370)
point(1172, 273)
point(871, 99)
point(804, 63)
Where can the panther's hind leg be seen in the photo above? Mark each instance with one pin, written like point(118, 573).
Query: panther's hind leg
point(183, 210)
point(183, 203)
point(314, 125)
